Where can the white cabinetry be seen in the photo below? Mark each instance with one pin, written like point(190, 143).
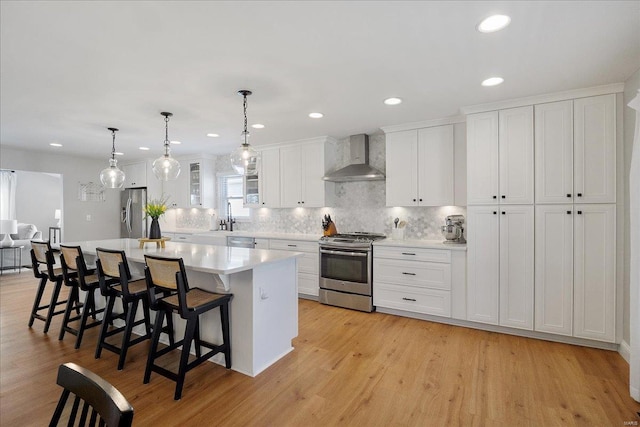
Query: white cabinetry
point(575, 270)
point(412, 279)
point(270, 178)
point(308, 264)
point(135, 175)
point(500, 260)
point(500, 157)
point(420, 167)
point(576, 151)
point(301, 170)
point(194, 187)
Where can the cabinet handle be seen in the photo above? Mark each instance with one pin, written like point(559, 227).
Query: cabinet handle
point(495, 197)
point(263, 203)
point(495, 213)
point(414, 200)
point(303, 202)
point(569, 195)
point(579, 212)
point(504, 213)
point(408, 274)
point(407, 253)
point(409, 299)
point(293, 246)
point(504, 197)
point(420, 199)
point(298, 202)
point(579, 194)
point(568, 212)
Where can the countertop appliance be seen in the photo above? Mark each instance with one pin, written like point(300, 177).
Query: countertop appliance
point(241, 242)
point(133, 224)
point(453, 230)
point(346, 270)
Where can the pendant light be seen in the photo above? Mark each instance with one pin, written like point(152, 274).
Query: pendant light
point(245, 159)
point(165, 167)
point(112, 177)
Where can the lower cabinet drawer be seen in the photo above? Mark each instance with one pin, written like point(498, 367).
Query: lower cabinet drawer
point(308, 263)
point(410, 298)
point(423, 274)
point(308, 284)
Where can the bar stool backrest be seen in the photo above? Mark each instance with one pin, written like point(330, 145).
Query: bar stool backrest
point(71, 255)
point(110, 260)
point(41, 254)
point(169, 275)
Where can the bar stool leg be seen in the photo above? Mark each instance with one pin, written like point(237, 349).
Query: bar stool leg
point(36, 303)
point(147, 316)
point(73, 300)
point(126, 335)
point(224, 321)
point(52, 306)
point(184, 356)
point(104, 328)
point(196, 338)
point(157, 330)
point(89, 308)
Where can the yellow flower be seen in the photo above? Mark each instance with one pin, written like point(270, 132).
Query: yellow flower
point(156, 208)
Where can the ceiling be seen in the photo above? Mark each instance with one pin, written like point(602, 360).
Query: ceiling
point(71, 69)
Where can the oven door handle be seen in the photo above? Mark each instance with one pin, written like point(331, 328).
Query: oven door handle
point(359, 254)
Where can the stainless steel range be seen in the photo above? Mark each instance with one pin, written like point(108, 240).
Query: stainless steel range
point(346, 267)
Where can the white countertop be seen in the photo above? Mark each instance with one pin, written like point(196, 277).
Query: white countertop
point(263, 235)
point(205, 258)
point(416, 243)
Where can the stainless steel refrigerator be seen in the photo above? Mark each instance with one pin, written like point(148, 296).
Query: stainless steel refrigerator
point(133, 224)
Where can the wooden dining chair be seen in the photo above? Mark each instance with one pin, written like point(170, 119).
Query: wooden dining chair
point(115, 281)
point(168, 276)
point(43, 264)
point(96, 402)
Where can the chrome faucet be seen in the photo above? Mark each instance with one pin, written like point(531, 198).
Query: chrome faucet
point(230, 220)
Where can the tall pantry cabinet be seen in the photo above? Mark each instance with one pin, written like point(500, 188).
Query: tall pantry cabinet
point(500, 216)
point(542, 257)
point(575, 280)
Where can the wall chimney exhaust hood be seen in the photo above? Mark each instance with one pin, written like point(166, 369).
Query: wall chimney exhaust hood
point(358, 168)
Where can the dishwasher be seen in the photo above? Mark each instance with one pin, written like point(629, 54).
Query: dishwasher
point(241, 242)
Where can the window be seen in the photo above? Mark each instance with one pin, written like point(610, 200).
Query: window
point(231, 193)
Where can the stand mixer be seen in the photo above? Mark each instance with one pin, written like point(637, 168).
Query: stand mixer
point(453, 231)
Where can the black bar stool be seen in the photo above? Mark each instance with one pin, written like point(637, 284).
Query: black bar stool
point(42, 255)
point(167, 275)
point(115, 282)
point(78, 277)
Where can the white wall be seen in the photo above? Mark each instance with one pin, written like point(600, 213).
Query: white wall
point(631, 87)
point(74, 170)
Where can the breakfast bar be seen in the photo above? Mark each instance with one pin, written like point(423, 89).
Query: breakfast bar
point(264, 309)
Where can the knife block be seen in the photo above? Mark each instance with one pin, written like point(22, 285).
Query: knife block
point(331, 230)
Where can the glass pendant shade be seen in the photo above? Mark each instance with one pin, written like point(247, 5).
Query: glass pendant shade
point(244, 160)
point(166, 168)
point(112, 177)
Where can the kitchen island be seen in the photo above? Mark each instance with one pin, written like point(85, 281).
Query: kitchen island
point(264, 308)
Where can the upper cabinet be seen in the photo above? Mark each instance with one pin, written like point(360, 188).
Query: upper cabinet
point(195, 186)
point(263, 189)
point(420, 167)
point(301, 170)
point(500, 157)
point(135, 174)
point(576, 151)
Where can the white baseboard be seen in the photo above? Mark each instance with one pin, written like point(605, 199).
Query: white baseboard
point(625, 351)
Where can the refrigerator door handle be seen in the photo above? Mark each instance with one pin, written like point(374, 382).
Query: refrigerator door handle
point(129, 214)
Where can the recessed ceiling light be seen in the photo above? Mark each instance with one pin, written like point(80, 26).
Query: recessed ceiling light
point(55, 144)
point(117, 153)
point(393, 101)
point(492, 81)
point(316, 115)
point(258, 126)
point(213, 135)
point(144, 148)
point(175, 142)
point(493, 23)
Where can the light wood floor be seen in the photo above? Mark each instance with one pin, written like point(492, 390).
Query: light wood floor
point(348, 368)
